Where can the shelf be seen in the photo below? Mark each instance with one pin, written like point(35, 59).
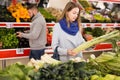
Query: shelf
point(19, 52)
point(103, 25)
point(10, 53)
point(14, 24)
point(22, 24)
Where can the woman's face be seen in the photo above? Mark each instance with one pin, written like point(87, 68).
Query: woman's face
point(73, 14)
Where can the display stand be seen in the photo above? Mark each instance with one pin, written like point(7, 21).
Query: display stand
point(24, 52)
point(10, 54)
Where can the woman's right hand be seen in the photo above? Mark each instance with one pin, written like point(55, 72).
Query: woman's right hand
point(71, 52)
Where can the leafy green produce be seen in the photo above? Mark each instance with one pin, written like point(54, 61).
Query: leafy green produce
point(15, 71)
point(47, 15)
point(99, 17)
point(97, 31)
point(107, 63)
point(84, 3)
point(88, 30)
point(115, 45)
point(5, 31)
point(94, 77)
point(5, 15)
point(8, 38)
point(117, 78)
point(9, 41)
point(106, 77)
point(2, 32)
point(64, 71)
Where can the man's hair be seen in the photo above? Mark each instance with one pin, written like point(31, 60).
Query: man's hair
point(31, 5)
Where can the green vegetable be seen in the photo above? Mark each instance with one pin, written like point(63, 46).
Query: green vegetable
point(99, 17)
point(107, 63)
point(15, 71)
point(88, 30)
point(117, 78)
point(64, 71)
point(105, 56)
point(8, 38)
point(94, 77)
point(84, 3)
point(97, 31)
point(9, 41)
point(97, 40)
point(47, 15)
point(5, 15)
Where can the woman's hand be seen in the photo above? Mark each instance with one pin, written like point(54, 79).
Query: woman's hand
point(71, 52)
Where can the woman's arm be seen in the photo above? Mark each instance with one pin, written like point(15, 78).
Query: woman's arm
point(55, 40)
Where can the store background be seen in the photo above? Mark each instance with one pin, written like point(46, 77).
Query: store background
point(8, 56)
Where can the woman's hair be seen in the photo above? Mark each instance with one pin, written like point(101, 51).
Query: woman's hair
point(69, 6)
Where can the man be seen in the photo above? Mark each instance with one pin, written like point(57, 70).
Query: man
point(37, 34)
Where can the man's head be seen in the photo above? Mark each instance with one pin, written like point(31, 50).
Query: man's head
point(32, 9)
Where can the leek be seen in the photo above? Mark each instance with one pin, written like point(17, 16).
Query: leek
point(97, 40)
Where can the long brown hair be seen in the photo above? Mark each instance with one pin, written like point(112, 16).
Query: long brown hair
point(69, 6)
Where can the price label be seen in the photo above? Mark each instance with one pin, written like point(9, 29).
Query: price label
point(115, 25)
point(84, 25)
point(20, 51)
point(9, 25)
point(103, 25)
point(92, 25)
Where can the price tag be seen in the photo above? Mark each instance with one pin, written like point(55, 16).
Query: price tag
point(84, 25)
point(92, 25)
point(20, 51)
point(9, 25)
point(103, 25)
point(115, 25)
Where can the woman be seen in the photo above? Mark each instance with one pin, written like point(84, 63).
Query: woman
point(67, 32)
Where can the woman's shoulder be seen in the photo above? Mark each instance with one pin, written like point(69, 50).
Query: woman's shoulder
point(57, 26)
